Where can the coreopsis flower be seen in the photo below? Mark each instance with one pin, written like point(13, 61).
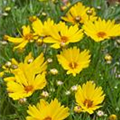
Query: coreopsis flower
point(20, 42)
point(61, 35)
point(101, 29)
point(47, 111)
point(73, 60)
point(36, 25)
point(89, 97)
point(27, 79)
point(80, 14)
point(42, 29)
point(47, 26)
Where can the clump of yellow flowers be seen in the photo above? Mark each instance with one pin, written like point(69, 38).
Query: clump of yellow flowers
point(62, 38)
point(28, 77)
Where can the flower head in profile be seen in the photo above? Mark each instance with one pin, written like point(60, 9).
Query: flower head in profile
point(20, 42)
point(47, 111)
point(27, 78)
point(101, 29)
point(73, 60)
point(89, 97)
point(61, 35)
point(80, 14)
point(13, 64)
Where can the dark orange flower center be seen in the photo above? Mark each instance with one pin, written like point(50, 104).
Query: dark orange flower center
point(88, 103)
point(64, 39)
point(48, 118)
point(28, 88)
point(28, 36)
point(73, 65)
point(101, 34)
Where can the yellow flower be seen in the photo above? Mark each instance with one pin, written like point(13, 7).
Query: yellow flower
point(101, 29)
point(47, 26)
point(80, 14)
point(37, 25)
point(27, 78)
point(61, 35)
point(112, 117)
point(42, 29)
point(89, 97)
point(22, 41)
point(47, 111)
point(73, 60)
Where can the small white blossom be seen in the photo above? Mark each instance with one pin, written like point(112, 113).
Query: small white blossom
point(22, 100)
point(74, 88)
point(100, 113)
point(49, 60)
point(54, 71)
point(45, 94)
point(8, 64)
point(59, 83)
point(68, 92)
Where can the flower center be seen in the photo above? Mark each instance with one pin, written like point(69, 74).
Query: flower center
point(88, 103)
point(101, 34)
point(77, 18)
point(28, 36)
point(48, 118)
point(28, 88)
point(73, 65)
point(64, 39)
point(90, 12)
